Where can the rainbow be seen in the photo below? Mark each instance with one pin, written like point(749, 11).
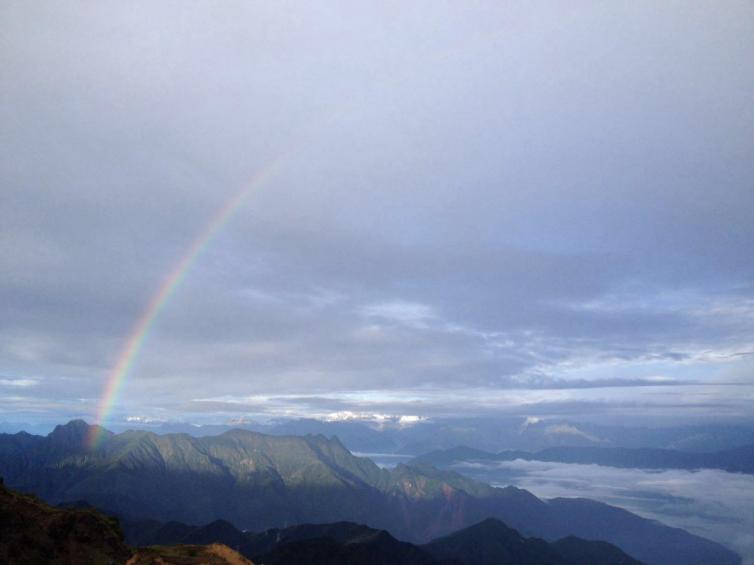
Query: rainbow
point(170, 282)
point(135, 341)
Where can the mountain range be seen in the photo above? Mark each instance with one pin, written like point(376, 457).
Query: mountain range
point(33, 532)
point(735, 460)
point(257, 482)
point(488, 434)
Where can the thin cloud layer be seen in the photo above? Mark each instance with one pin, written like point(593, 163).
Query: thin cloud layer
point(538, 207)
point(710, 503)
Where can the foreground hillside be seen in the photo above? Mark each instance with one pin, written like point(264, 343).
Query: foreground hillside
point(32, 532)
point(257, 482)
point(213, 554)
point(344, 543)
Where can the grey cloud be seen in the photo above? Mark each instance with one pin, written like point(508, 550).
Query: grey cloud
point(559, 200)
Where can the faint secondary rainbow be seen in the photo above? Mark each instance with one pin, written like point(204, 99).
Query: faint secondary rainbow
point(170, 282)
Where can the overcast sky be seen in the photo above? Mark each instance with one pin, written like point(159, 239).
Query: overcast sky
point(539, 208)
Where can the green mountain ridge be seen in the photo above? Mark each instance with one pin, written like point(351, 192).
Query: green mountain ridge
point(257, 482)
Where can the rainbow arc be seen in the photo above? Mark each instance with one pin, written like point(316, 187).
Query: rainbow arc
point(134, 343)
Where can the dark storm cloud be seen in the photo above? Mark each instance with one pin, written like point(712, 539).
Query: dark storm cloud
point(486, 197)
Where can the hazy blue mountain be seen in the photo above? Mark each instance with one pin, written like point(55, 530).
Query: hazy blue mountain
point(35, 427)
point(346, 542)
point(487, 434)
point(257, 482)
point(340, 542)
point(737, 460)
point(497, 434)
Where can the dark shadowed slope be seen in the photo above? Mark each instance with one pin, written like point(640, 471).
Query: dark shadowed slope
point(488, 542)
point(340, 542)
point(33, 532)
point(258, 482)
point(493, 543)
point(577, 551)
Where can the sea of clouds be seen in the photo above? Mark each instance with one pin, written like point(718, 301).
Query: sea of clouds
point(709, 503)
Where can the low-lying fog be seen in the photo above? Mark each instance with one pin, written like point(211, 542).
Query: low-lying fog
point(710, 503)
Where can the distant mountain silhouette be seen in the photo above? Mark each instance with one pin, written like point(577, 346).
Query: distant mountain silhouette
point(495, 434)
point(488, 434)
point(257, 482)
point(736, 460)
